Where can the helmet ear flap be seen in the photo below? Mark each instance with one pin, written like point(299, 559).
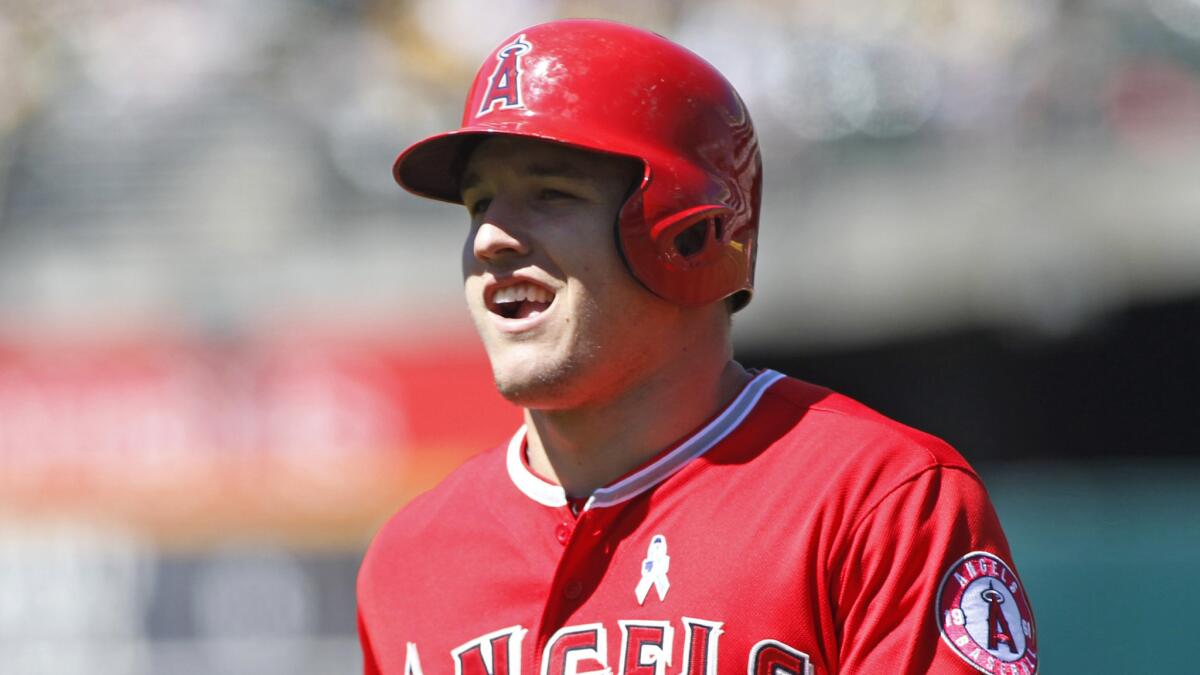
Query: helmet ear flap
point(689, 257)
point(692, 237)
point(696, 238)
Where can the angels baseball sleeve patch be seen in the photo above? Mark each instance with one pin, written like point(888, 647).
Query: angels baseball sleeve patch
point(984, 616)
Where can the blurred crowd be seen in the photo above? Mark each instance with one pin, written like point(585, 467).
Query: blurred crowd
point(212, 161)
point(365, 73)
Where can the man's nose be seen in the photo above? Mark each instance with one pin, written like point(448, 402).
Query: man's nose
point(496, 240)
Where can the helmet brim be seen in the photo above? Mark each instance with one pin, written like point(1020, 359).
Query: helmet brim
point(433, 167)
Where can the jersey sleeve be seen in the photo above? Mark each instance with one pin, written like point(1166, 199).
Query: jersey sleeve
point(370, 667)
point(927, 584)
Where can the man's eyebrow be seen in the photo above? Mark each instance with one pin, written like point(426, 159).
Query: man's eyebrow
point(560, 170)
point(472, 179)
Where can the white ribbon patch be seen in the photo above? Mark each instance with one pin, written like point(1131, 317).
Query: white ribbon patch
point(654, 570)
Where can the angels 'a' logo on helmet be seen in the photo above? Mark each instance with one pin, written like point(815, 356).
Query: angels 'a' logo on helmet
point(984, 616)
point(504, 85)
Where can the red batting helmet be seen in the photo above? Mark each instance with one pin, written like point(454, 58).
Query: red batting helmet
point(688, 232)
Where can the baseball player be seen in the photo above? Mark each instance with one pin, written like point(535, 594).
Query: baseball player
point(662, 509)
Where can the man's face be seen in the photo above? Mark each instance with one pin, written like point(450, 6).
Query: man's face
point(563, 321)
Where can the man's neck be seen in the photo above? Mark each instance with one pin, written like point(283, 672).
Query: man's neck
point(587, 448)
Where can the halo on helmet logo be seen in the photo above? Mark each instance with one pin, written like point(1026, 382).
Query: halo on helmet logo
point(504, 85)
point(984, 616)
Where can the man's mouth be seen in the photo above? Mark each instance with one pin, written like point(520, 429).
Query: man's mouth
point(522, 300)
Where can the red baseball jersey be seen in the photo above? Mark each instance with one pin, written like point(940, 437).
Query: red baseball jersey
point(797, 531)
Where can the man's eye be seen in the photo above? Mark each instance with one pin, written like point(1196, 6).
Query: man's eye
point(477, 207)
point(550, 194)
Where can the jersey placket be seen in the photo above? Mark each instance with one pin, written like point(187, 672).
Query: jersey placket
point(585, 557)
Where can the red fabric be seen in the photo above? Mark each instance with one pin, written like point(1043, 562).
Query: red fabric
point(817, 530)
point(369, 665)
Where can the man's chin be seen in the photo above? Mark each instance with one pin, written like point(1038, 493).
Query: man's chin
point(541, 388)
point(529, 393)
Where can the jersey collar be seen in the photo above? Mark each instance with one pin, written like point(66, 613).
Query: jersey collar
point(652, 474)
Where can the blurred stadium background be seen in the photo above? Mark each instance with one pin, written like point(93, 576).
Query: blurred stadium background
point(230, 346)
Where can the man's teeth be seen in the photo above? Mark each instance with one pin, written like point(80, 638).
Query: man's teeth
point(521, 292)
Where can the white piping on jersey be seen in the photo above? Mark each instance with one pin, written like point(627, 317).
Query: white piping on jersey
point(631, 486)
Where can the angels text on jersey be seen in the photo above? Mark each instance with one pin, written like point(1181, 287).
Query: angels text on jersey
point(646, 648)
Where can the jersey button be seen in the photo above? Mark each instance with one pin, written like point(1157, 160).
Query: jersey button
point(563, 533)
point(573, 590)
